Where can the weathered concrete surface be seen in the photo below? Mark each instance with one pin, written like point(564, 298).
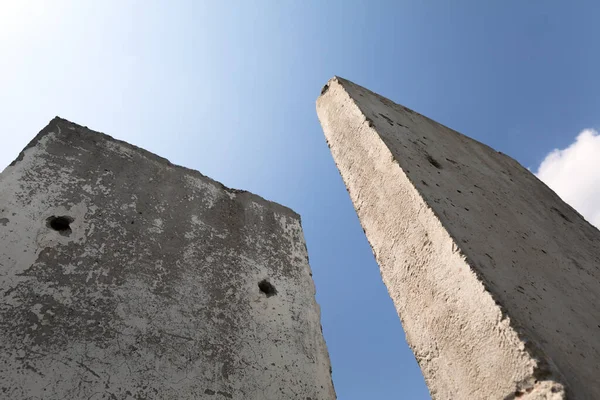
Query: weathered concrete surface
point(149, 287)
point(496, 279)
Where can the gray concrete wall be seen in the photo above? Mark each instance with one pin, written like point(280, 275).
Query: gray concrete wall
point(126, 277)
point(495, 278)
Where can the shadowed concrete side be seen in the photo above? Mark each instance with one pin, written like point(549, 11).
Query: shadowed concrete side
point(124, 276)
point(495, 278)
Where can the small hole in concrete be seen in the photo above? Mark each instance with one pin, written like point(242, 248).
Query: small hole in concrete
point(267, 288)
point(60, 224)
point(433, 162)
point(563, 216)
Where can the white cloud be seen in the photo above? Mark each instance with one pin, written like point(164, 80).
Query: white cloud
point(574, 174)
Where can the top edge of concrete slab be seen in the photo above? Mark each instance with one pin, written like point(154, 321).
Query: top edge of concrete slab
point(348, 84)
point(58, 122)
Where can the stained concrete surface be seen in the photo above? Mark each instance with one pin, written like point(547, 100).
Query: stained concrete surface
point(126, 277)
point(495, 278)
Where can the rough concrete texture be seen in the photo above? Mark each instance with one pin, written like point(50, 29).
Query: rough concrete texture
point(126, 277)
point(495, 278)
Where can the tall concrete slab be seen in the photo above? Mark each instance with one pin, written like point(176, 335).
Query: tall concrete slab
point(495, 278)
point(126, 277)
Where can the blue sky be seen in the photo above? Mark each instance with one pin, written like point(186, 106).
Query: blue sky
point(229, 88)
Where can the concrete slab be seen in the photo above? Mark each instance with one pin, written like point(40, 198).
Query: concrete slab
point(126, 277)
point(495, 278)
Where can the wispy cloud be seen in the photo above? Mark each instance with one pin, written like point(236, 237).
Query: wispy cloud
point(574, 173)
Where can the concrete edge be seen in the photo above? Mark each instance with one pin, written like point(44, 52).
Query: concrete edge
point(343, 81)
point(57, 121)
point(545, 370)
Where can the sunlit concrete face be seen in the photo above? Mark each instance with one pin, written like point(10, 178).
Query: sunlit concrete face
point(495, 278)
point(124, 276)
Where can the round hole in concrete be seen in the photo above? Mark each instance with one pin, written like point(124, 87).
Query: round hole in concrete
point(61, 224)
point(267, 288)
